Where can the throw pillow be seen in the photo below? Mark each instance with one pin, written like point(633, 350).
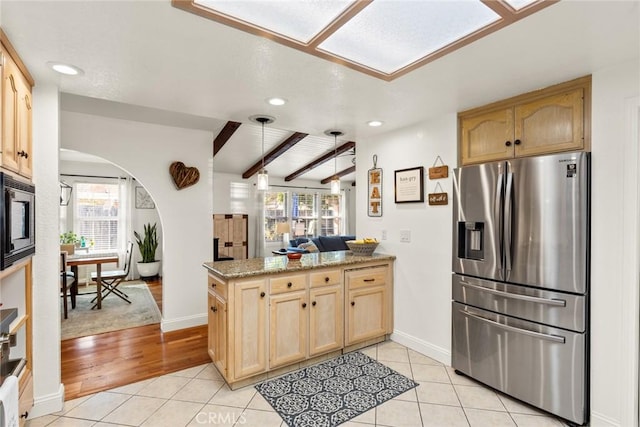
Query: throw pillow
point(309, 246)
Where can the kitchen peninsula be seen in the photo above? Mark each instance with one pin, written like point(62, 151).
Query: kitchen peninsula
point(271, 315)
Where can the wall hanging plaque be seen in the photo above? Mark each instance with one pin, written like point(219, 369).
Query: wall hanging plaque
point(409, 185)
point(143, 199)
point(374, 178)
point(440, 198)
point(183, 176)
point(437, 172)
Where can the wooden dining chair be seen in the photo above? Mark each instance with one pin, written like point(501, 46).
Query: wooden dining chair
point(111, 279)
point(68, 285)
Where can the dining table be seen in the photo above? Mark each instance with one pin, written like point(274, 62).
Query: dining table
point(76, 260)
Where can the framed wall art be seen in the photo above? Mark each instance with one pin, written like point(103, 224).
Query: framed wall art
point(409, 185)
point(143, 199)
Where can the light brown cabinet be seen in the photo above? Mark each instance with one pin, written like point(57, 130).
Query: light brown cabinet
point(16, 157)
point(326, 319)
point(217, 337)
point(288, 320)
point(16, 117)
point(232, 233)
point(367, 304)
point(271, 321)
point(250, 328)
point(546, 121)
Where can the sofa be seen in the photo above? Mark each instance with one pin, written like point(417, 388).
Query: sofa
point(323, 243)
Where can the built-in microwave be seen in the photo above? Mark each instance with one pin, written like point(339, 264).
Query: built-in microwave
point(17, 219)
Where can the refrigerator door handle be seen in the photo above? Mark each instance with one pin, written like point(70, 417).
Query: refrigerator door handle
point(537, 300)
point(498, 219)
point(508, 222)
point(539, 335)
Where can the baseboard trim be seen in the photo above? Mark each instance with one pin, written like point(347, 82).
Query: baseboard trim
point(598, 419)
point(49, 404)
point(440, 354)
point(168, 325)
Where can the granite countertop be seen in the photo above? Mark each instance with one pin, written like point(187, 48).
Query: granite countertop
point(279, 264)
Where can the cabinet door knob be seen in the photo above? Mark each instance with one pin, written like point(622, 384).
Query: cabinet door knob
point(214, 309)
point(262, 294)
point(304, 305)
point(213, 285)
point(517, 142)
point(25, 415)
point(289, 284)
point(326, 279)
point(353, 303)
point(313, 303)
point(508, 143)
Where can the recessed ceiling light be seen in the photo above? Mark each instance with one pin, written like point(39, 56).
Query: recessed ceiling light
point(276, 101)
point(374, 123)
point(67, 69)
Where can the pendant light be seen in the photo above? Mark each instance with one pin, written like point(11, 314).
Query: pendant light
point(335, 181)
point(263, 176)
point(65, 193)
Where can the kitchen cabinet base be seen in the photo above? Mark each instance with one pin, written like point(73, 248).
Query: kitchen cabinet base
point(305, 363)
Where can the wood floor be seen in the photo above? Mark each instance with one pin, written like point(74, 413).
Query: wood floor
point(100, 362)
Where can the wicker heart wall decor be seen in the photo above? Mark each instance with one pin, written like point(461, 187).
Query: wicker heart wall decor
point(183, 176)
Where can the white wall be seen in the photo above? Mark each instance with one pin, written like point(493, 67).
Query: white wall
point(146, 151)
point(423, 267)
point(422, 295)
point(48, 390)
point(611, 86)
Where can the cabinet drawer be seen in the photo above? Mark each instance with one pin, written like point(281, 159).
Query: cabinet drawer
point(325, 278)
point(218, 287)
point(367, 277)
point(282, 284)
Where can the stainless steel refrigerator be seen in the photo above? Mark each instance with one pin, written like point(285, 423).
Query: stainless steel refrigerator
point(520, 288)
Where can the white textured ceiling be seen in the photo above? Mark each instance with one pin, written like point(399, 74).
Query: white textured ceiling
point(156, 63)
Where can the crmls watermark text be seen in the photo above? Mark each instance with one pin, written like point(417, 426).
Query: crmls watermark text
point(226, 418)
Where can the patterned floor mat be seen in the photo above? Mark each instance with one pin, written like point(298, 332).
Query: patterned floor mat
point(334, 391)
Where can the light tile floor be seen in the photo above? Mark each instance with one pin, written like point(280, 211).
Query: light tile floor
point(198, 396)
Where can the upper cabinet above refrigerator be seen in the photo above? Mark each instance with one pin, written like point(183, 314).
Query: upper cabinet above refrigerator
point(546, 121)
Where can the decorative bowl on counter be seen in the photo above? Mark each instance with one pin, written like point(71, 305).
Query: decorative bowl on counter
point(294, 255)
point(362, 249)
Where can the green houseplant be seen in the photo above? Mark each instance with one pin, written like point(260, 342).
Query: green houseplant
point(148, 244)
point(68, 242)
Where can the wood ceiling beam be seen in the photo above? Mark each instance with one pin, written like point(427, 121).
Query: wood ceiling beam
point(347, 171)
point(320, 160)
point(274, 154)
point(227, 131)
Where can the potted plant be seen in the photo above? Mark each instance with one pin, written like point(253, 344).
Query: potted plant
point(68, 241)
point(148, 244)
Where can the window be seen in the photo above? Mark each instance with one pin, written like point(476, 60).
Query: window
point(331, 214)
point(304, 215)
point(308, 214)
point(96, 214)
point(275, 210)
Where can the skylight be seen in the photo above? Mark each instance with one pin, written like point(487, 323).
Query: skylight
point(383, 38)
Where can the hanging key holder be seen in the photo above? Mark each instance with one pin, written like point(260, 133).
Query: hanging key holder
point(441, 198)
point(437, 172)
point(374, 197)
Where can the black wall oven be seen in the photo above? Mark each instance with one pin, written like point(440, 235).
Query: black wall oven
point(17, 220)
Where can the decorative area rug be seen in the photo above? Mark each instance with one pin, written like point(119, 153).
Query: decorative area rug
point(333, 392)
point(115, 314)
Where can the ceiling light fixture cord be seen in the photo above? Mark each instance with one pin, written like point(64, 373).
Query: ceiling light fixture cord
point(335, 180)
point(262, 121)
